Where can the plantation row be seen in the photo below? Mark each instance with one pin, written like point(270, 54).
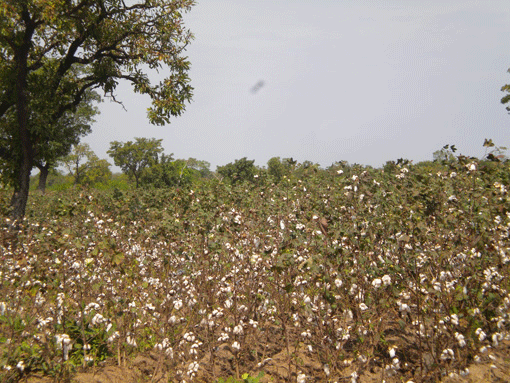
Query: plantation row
point(335, 275)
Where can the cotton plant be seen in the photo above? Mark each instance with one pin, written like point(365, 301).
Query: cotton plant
point(188, 274)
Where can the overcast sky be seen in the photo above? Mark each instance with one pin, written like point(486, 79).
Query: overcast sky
point(329, 80)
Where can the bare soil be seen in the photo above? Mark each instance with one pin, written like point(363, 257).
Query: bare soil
point(494, 367)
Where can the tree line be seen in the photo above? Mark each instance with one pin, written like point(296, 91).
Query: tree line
point(59, 58)
point(144, 164)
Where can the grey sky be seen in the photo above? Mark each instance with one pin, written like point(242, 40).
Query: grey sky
point(362, 81)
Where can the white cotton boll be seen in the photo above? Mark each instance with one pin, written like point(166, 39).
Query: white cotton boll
point(495, 339)
point(39, 299)
point(236, 346)
point(178, 304)
point(189, 336)
point(392, 351)
point(306, 334)
point(97, 319)
point(447, 354)
point(403, 306)
point(131, 341)
point(21, 365)
point(464, 372)
point(301, 378)
point(460, 339)
point(377, 283)
point(114, 336)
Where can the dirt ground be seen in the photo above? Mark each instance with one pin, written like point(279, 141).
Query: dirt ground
point(152, 367)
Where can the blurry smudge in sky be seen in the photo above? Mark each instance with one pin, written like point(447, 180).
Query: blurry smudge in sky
point(257, 87)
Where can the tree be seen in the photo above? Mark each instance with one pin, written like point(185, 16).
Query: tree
point(201, 166)
point(134, 157)
point(279, 168)
point(85, 166)
point(72, 126)
point(53, 52)
point(169, 173)
point(51, 141)
point(98, 172)
point(238, 171)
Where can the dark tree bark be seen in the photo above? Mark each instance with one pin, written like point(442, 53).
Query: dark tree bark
point(20, 195)
point(43, 177)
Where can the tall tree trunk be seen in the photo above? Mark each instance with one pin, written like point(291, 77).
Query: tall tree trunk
point(43, 177)
point(21, 189)
point(20, 196)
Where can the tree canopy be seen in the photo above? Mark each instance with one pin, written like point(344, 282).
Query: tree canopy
point(238, 171)
point(134, 157)
point(54, 53)
point(85, 166)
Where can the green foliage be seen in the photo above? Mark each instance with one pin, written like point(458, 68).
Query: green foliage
point(278, 169)
point(53, 137)
point(85, 167)
point(170, 173)
point(134, 157)
point(54, 55)
point(203, 167)
point(239, 171)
